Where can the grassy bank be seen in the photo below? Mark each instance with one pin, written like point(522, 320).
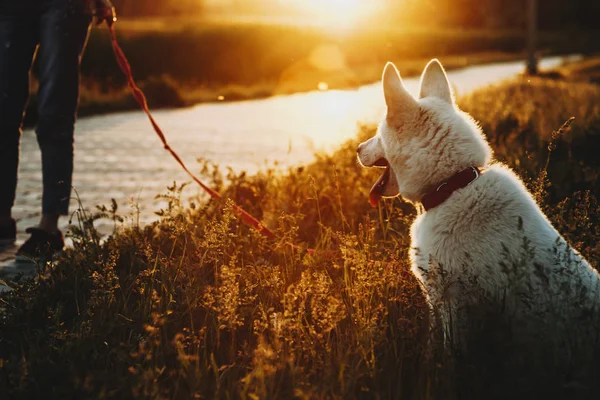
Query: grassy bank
point(184, 62)
point(200, 306)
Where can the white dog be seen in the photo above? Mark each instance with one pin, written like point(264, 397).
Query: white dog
point(478, 221)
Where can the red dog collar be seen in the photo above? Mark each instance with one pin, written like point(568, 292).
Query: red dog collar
point(445, 189)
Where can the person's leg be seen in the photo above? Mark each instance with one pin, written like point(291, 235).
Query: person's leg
point(18, 39)
point(63, 34)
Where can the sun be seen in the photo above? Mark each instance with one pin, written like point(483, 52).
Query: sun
point(334, 13)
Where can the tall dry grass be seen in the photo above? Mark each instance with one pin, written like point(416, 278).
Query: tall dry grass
point(198, 305)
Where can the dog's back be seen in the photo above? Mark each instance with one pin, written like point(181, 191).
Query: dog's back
point(494, 232)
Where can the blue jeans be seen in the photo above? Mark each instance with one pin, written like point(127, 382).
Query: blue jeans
point(59, 32)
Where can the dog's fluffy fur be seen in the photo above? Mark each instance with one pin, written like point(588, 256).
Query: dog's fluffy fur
point(491, 232)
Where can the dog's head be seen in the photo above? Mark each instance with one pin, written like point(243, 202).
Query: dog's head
point(421, 142)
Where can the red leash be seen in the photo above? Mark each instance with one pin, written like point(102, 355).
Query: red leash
point(141, 99)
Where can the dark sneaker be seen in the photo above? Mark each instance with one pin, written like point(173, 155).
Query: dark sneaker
point(8, 234)
point(41, 246)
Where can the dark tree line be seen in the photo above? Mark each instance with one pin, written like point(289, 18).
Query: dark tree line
point(552, 14)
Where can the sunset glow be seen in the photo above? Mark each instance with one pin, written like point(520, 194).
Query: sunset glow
point(335, 13)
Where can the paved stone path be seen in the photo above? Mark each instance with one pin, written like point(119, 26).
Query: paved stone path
point(119, 156)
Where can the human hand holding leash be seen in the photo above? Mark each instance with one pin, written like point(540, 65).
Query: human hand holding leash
point(102, 10)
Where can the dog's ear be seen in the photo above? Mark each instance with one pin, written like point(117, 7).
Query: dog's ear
point(434, 82)
point(397, 98)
